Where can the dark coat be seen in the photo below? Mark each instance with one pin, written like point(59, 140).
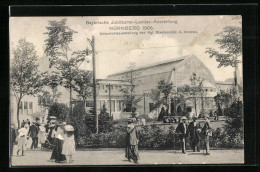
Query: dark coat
point(13, 135)
point(193, 131)
point(33, 131)
point(181, 129)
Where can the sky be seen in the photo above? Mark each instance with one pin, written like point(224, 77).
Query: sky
point(115, 52)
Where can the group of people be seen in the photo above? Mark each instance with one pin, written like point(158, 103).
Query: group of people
point(194, 130)
point(63, 143)
point(57, 135)
point(196, 133)
point(27, 130)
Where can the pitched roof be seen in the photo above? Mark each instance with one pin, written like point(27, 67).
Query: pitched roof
point(174, 61)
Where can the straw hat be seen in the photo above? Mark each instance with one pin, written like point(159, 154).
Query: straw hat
point(183, 118)
point(69, 128)
point(52, 117)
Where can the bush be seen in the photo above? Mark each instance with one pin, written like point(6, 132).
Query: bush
point(59, 110)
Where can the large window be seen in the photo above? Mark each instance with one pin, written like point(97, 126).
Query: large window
point(25, 105)
point(113, 105)
point(31, 105)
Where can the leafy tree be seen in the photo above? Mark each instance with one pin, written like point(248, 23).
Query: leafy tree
point(52, 80)
point(230, 45)
point(195, 91)
point(131, 77)
point(166, 89)
point(25, 78)
point(60, 54)
point(78, 120)
point(222, 100)
point(84, 85)
point(105, 120)
point(47, 99)
point(234, 121)
point(59, 110)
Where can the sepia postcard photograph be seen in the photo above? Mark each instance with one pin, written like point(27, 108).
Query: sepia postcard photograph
point(126, 90)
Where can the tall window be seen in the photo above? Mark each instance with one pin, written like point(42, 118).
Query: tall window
point(21, 108)
point(113, 105)
point(25, 105)
point(31, 105)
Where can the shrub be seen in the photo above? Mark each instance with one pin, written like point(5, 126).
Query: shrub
point(59, 110)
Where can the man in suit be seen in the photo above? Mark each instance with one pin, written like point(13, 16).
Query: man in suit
point(38, 126)
point(33, 132)
point(132, 142)
point(194, 128)
point(182, 129)
point(207, 132)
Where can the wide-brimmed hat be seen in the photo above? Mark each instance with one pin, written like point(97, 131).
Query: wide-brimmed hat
point(52, 117)
point(183, 118)
point(69, 128)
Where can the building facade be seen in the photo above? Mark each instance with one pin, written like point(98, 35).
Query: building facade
point(178, 72)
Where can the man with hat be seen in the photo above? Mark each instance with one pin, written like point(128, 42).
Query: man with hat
point(182, 129)
point(207, 132)
point(194, 128)
point(132, 142)
point(33, 132)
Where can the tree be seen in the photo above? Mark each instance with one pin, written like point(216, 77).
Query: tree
point(234, 121)
point(195, 91)
point(25, 78)
point(166, 89)
point(59, 110)
point(155, 96)
point(78, 120)
point(132, 78)
point(222, 100)
point(230, 45)
point(47, 99)
point(60, 54)
point(105, 120)
point(84, 84)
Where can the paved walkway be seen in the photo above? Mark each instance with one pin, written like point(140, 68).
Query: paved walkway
point(116, 157)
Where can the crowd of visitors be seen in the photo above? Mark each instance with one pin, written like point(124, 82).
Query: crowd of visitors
point(55, 135)
point(60, 137)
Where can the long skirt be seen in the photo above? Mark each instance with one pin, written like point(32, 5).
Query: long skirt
point(57, 149)
point(132, 152)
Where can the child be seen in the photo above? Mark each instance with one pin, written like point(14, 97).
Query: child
point(69, 144)
point(21, 139)
point(41, 136)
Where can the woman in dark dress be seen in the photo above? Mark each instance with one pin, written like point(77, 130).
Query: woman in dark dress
point(132, 142)
point(57, 135)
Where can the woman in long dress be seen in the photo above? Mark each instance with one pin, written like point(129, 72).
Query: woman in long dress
point(41, 136)
point(57, 134)
point(132, 142)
